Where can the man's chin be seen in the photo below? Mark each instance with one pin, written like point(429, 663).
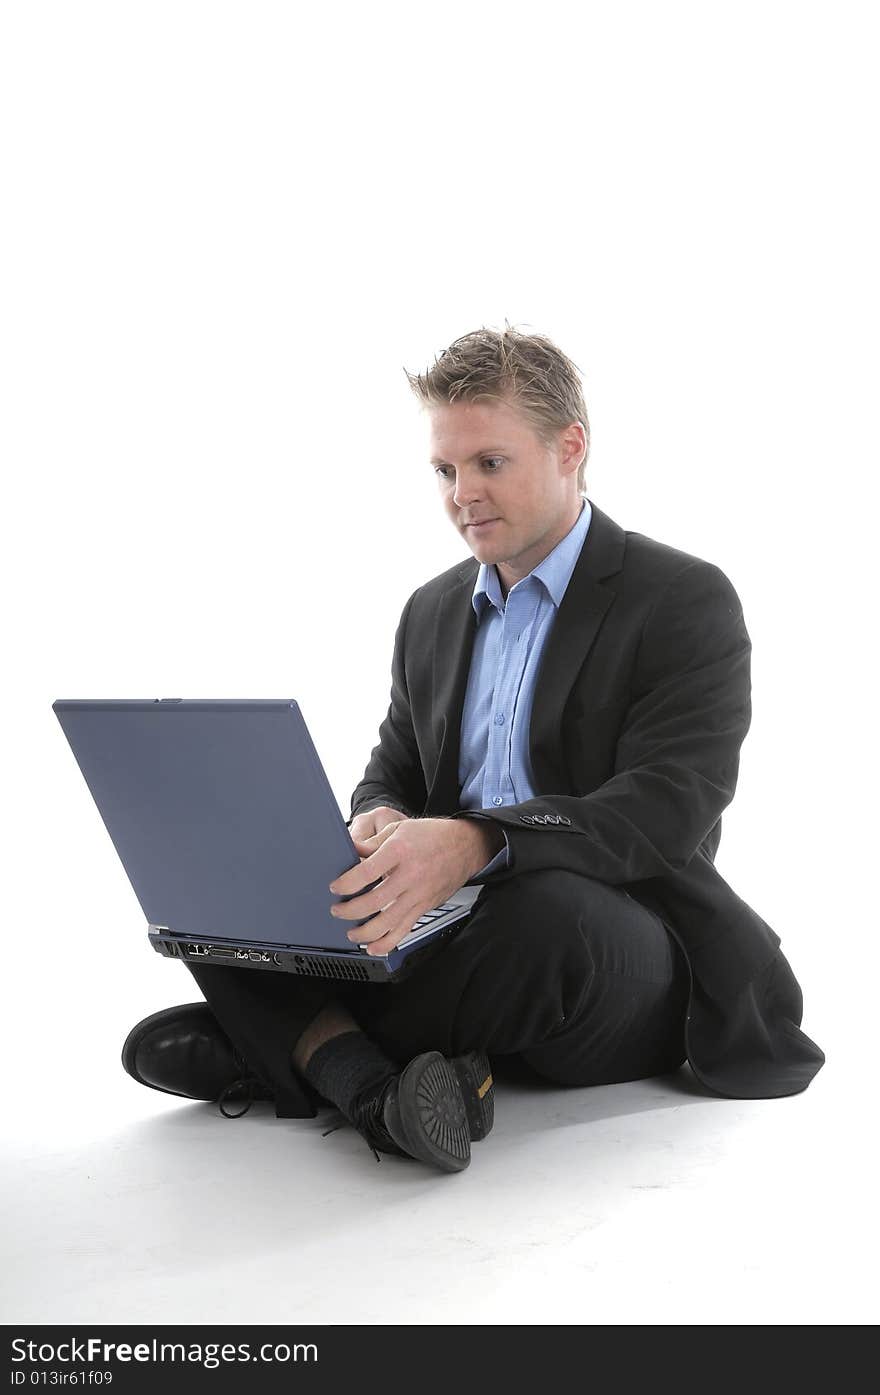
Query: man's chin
point(486, 547)
point(484, 553)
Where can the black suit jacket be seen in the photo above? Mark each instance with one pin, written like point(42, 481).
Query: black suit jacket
point(640, 710)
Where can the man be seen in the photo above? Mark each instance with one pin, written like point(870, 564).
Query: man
point(567, 711)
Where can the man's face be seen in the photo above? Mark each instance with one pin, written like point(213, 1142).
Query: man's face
point(511, 497)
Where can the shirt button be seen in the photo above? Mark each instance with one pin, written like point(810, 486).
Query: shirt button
point(499, 719)
point(497, 799)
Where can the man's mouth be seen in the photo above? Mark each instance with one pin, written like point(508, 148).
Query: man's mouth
point(478, 525)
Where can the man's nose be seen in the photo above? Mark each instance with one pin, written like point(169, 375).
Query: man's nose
point(468, 489)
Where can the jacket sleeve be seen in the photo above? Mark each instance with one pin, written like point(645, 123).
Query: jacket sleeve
point(394, 774)
point(677, 755)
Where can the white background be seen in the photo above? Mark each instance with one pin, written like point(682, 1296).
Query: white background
point(227, 230)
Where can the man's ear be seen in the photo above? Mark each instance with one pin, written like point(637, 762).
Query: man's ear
point(572, 447)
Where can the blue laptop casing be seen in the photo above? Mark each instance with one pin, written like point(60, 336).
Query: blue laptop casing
point(227, 827)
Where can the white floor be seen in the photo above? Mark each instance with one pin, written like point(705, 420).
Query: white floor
point(640, 1203)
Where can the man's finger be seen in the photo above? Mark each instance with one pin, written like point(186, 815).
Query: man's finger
point(377, 865)
point(375, 840)
point(365, 846)
point(378, 899)
point(385, 930)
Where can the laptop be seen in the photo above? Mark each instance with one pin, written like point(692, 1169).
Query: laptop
point(224, 820)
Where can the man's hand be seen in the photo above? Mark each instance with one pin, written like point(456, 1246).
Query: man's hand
point(369, 824)
point(421, 863)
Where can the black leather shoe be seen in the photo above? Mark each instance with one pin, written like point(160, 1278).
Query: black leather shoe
point(432, 1110)
point(182, 1051)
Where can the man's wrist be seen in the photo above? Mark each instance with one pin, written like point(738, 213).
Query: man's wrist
point(486, 839)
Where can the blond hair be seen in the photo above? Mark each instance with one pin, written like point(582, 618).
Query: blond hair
point(527, 371)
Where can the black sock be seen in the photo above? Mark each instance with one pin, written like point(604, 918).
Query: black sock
point(348, 1069)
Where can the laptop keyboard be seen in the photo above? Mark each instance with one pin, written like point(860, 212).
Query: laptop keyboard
point(435, 914)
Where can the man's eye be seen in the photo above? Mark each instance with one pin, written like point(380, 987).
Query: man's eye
point(495, 461)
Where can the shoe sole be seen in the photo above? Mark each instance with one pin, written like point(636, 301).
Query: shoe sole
point(433, 1113)
point(478, 1091)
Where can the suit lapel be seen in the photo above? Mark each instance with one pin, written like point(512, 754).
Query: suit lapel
point(580, 615)
point(454, 633)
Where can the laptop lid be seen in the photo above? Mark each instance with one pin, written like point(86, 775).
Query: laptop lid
point(221, 814)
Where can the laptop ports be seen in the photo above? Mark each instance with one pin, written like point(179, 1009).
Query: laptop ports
point(210, 952)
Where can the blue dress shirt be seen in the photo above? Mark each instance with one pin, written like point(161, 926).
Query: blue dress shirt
point(494, 764)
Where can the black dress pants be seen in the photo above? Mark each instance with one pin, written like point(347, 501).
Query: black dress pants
point(567, 973)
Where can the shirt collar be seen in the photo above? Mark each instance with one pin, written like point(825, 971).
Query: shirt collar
point(554, 572)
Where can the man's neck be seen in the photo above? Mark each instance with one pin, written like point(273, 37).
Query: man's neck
point(508, 576)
